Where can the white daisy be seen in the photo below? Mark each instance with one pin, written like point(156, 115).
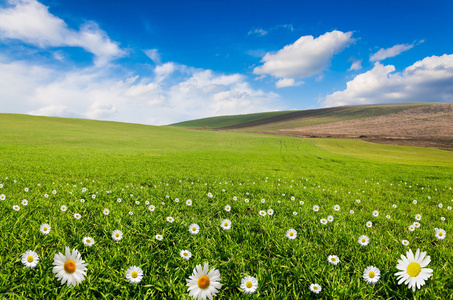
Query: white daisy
point(134, 274)
point(147, 202)
point(387, 216)
point(210, 195)
point(315, 208)
point(225, 224)
point(375, 213)
point(295, 213)
point(54, 192)
point(159, 237)
point(26, 189)
point(405, 242)
point(351, 212)
point(118, 200)
point(131, 213)
point(371, 274)
point(227, 208)
point(333, 259)
point(16, 207)
point(30, 259)
point(418, 217)
point(416, 224)
point(358, 200)
point(315, 288)
point(93, 196)
point(291, 234)
point(415, 201)
point(185, 254)
point(2, 197)
point(235, 198)
point(364, 240)
point(151, 208)
point(77, 216)
point(194, 228)
point(203, 284)
point(440, 234)
point(442, 219)
point(301, 202)
point(170, 219)
point(70, 268)
point(117, 235)
point(106, 211)
point(84, 190)
point(411, 227)
point(249, 284)
point(449, 207)
point(330, 218)
point(45, 228)
point(188, 202)
point(336, 207)
point(46, 196)
point(293, 198)
point(270, 211)
point(82, 200)
point(412, 269)
point(88, 241)
point(323, 221)
point(246, 200)
point(24, 202)
point(369, 224)
point(262, 200)
point(440, 205)
point(394, 206)
point(137, 202)
point(63, 208)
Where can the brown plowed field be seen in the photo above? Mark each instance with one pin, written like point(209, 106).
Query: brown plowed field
point(426, 126)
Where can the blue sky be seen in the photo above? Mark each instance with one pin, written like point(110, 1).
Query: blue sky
point(160, 62)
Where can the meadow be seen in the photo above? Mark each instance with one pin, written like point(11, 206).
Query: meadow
point(52, 162)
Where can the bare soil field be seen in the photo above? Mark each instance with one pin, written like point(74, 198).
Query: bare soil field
point(426, 126)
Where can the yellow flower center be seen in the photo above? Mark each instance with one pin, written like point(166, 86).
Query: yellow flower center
point(88, 241)
point(203, 282)
point(249, 284)
point(291, 234)
point(117, 234)
point(440, 233)
point(414, 269)
point(225, 224)
point(333, 258)
point(134, 274)
point(315, 287)
point(194, 228)
point(371, 274)
point(185, 253)
point(70, 266)
point(363, 240)
point(45, 229)
point(30, 258)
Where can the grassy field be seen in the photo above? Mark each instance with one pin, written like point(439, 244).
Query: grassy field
point(161, 164)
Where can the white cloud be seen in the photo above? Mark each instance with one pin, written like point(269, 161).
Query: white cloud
point(428, 80)
point(356, 65)
point(154, 55)
point(287, 82)
point(390, 52)
point(31, 22)
point(258, 31)
point(306, 57)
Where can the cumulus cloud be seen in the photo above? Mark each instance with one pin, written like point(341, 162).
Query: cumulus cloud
point(427, 80)
point(286, 82)
point(306, 57)
point(390, 52)
point(356, 65)
point(32, 23)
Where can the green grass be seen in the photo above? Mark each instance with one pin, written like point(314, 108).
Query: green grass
point(223, 121)
point(159, 164)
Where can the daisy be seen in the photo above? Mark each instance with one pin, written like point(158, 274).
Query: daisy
point(394, 205)
point(364, 240)
point(82, 200)
point(333, 259)
point(418, 217)
point(371, 274)
point(2, 197)
point(25, 202)
point(270, 211)
point(405, 242)
point(369, 224)
point(134, 274)
point(246, 200)
point(442, 219)
point(70, 268)
point(106, 211)
point(315, 208)
point(210, 195)
point(117, 235)
point(235, 198)
point(387, 216)
point(440, 205)
point(131, 213)
point(194, 228)
point(415, 201)
point(330, 218)
point(77, 216)
point(118, 200)
point(203, 284)
point(170, 219)
point(315, 288)
point(358, 200)
point(159, 237)
point(185, 254)
point(93, 196)
point(411, 227)
point(63, 208)
point(351, 212)
point(291, 234)
point(449, 208)
point(412, 269)
point(225, 224)
point(416, 224)
point(30, 259)
point(262, 200)
point(84, 190)
point(137, 202)
point(293, 198)
point(188, 202)
point(46, 195)
point(16, 207)
point(88, 241)
point(295, 213)
point(54, 192)
point(440, 234)
point(301, 202)
point(323, 221)
point(336, 207)
point(375, 213)
point(249, 284)
point(151, 208)
point(45, 228)
point(26, 189)
point(227, 208)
